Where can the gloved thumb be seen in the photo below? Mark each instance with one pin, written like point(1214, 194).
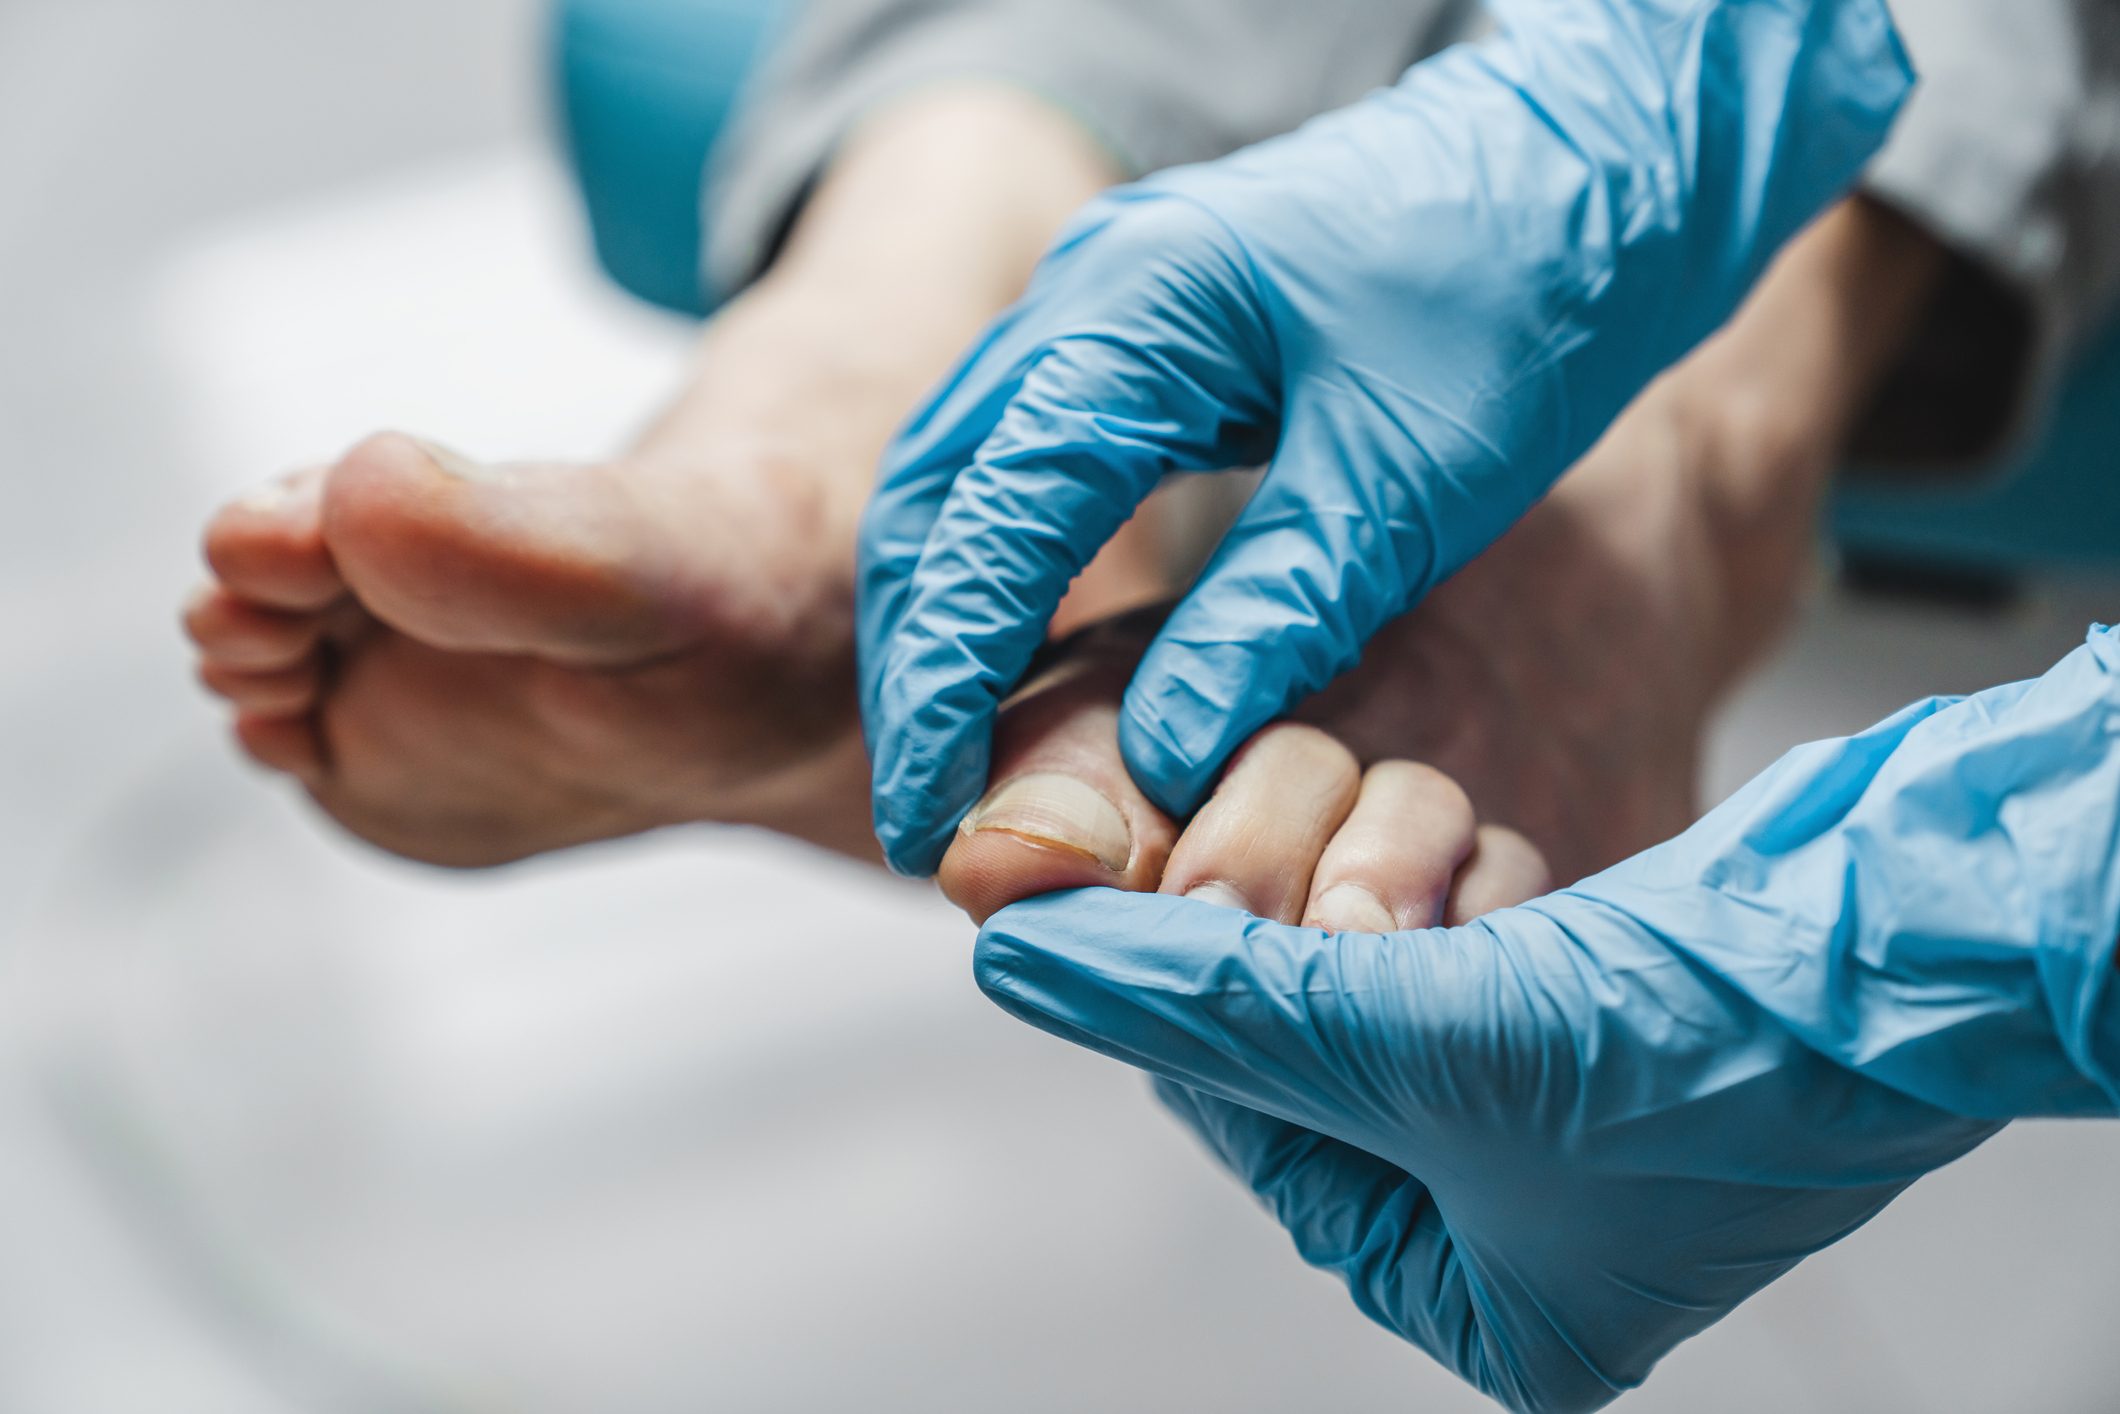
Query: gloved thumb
point(1292, 1022)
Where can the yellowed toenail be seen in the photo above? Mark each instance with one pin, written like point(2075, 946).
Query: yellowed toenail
point(454, 462)
point(1350, 908)
point(1057, 810)
point(1219, 894)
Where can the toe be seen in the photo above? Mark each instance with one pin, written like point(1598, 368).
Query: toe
point(287, 744)
point(1392, 864)
point(1257, 841)
point(1062, 812)
point(1504, 870)
point(553, 560)
point(283, 693)
point(268, 547)
point(239, 634)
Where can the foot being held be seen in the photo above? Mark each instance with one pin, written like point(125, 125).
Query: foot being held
point(1560, 683)
point(1297, 829)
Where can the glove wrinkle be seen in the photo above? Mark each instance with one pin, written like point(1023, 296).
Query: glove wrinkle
point(1440, 296)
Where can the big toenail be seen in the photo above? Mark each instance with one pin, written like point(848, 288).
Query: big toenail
point(1219, 894)
point(454, 462)
point(1350, 908)
point(1056, 810)
point(267, 498)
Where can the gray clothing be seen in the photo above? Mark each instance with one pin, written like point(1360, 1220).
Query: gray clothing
point(1156, 82)
point(2009, 151)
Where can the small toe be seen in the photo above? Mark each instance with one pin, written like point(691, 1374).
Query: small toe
point(1257, 841)
point(282, 693)
point(288, 744)
point(1504, 870)
point(239, 634)
point(1392, 863)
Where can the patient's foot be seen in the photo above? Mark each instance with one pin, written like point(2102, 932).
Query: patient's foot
point(1297, 829)
point(468, 664)
point(1554, 693)
point(1537, 718)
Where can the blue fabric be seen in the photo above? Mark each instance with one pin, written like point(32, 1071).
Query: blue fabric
point(1550, 1145)
point(644, 89)
point(2054, 502)
point(1425, 305)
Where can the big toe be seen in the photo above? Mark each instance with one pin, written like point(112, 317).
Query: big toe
point(559, 561)
point(267, 548)
point(1062, 812)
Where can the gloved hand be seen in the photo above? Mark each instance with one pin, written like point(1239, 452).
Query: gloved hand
point(1427, 305)
point(1548, 1146)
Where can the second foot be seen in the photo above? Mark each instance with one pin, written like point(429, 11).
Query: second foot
point(470, 665)
point(467, 664)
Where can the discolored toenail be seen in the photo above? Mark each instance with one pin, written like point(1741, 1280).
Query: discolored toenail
point(1052, 809)
point(1219, 894)
point(1350, 908)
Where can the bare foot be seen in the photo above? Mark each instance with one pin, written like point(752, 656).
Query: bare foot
point(1539, 717)
point(1553, 694)
point(1297, 830)
point(468, 664)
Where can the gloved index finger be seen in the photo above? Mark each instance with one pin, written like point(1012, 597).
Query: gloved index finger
point(1091, 429)
point(1329, 549)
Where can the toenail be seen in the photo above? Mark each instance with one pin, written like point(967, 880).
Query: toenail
point(1219, 894)
point(1056, 810)
point(267, 498)
point(453, 462)
point(1350, 908)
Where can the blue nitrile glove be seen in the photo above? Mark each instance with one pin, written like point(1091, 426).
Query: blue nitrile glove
point(1426, 305)
point(1548, 1146)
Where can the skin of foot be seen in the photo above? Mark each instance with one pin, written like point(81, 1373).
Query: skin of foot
point(470, 664)
point(1297, 830)
point(467, 664)
point(1540, 716)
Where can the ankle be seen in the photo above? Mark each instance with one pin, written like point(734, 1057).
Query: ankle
point(943, 201)
point(1758, 475)
point(1768, 404)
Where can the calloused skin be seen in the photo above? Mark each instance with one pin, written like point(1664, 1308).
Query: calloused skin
point(468, 664)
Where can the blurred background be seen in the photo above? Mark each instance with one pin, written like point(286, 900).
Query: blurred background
point(288, 1126)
